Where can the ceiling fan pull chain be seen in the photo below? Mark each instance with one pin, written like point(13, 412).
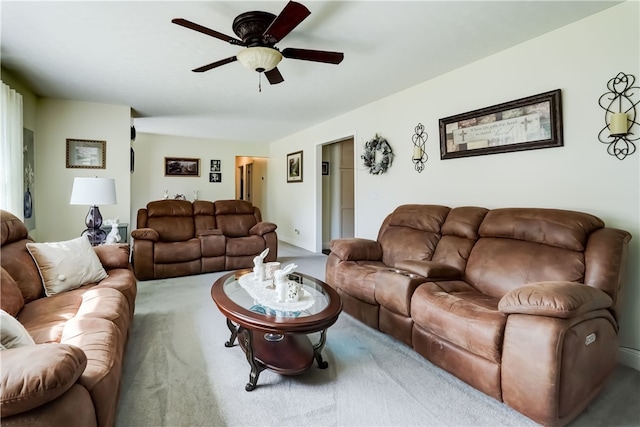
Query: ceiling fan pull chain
point(259, 82)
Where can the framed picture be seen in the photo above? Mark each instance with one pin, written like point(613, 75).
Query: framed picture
point(180, 166)
point(215, 166)
point(215, 177)
point(325, 168)
point(524, 124)
point(294, 167)
point(86, 154)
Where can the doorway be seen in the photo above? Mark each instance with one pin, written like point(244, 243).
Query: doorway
point(251, 183)
point(338, 194)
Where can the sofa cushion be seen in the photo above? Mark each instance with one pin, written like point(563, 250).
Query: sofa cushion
point(66, 265)
point(45, 318)
point(242, 246)
point(172, 219)
point(553, 227)
point(51, 371)
point(358, 279)
point(460, 314)
point(174, 252)
point(11, 299)
point(411, 233)
point(12, 333)
point(497, 266)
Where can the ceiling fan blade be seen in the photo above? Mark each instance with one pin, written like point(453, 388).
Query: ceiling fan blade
point(207, 31)
point(314, 55)
point(274, 76)
point(292, 15)
point(215, 64)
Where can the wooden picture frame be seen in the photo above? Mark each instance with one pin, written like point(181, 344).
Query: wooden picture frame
point(294, 167)
point(325, 168)
point(181, 166)
point(524, 124)
point(86, 154)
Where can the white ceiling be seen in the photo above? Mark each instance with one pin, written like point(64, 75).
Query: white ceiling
point(129, 53)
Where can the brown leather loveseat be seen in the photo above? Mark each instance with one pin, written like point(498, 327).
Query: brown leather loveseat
point(68, 374)
point(180, 238)
point(520, 303)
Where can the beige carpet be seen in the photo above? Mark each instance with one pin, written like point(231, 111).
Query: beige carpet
point(177, 372)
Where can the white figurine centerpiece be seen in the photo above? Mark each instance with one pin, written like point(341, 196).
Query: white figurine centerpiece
point(258, 266)
point(287, 290)
point(114, 235)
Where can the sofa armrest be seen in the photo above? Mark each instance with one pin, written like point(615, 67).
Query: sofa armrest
point(34, 375)
point(430, 269)
point(262, 228)
point(145, 234)
point(554, 299)
point(113, 256)
point(356, 249)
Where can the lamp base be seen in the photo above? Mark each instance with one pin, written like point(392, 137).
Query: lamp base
point(93, 222)
point(96, 236)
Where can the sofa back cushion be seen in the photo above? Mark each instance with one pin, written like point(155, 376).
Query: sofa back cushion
point(172, 219)
point(235, 217)
point(459, 233)
point(15, 258)
point(204, 215)
point(11, 299)
point(411, 232)
point(525, 245)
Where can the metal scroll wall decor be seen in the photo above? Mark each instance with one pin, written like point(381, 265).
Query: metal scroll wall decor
point(378, 155)
point(621, 128)
point(419, 156)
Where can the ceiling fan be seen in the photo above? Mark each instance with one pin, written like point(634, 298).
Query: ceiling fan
point(258, 33)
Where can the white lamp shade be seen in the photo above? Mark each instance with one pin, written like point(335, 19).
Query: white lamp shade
point(259, 59)
point(93, 191)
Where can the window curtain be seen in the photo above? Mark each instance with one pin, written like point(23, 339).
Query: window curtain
point(11, 186)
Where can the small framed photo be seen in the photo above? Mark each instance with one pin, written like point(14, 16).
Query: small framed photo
point(86, 154)
point(215, 177)
point(325, 168)
point(294, 167)
point(215, 166)
point(180, 166)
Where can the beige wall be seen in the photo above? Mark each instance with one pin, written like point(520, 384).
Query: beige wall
point(148, 181)
point(61, 119)
point(579, 59)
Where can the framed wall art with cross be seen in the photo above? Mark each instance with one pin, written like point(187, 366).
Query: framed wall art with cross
point(524, 124)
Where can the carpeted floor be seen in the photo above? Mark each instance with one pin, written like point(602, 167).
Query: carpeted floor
point(177, 372)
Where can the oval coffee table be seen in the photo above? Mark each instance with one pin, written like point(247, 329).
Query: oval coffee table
point(272, 336)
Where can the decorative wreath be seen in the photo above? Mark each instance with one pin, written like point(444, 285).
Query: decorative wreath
point(385, 155)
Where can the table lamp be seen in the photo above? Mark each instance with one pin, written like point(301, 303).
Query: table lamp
point(93, 192)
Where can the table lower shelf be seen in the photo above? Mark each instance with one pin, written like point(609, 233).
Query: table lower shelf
point(291, 355)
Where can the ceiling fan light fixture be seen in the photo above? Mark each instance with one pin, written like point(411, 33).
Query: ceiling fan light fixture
point(258, 58)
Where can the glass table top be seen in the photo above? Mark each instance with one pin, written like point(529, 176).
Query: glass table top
point(260, 297)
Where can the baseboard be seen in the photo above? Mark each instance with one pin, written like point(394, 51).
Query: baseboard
point(629, 357)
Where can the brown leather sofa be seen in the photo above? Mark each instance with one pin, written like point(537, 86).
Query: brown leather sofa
point(71, 376)
point(520, 303)
point(180, 238)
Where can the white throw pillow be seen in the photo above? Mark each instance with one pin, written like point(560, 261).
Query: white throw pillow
point(13, 333)
point(66, 265)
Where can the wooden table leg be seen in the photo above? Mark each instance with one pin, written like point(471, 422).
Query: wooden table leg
point(256, 367)
point(317, 350)
point(234, 334)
